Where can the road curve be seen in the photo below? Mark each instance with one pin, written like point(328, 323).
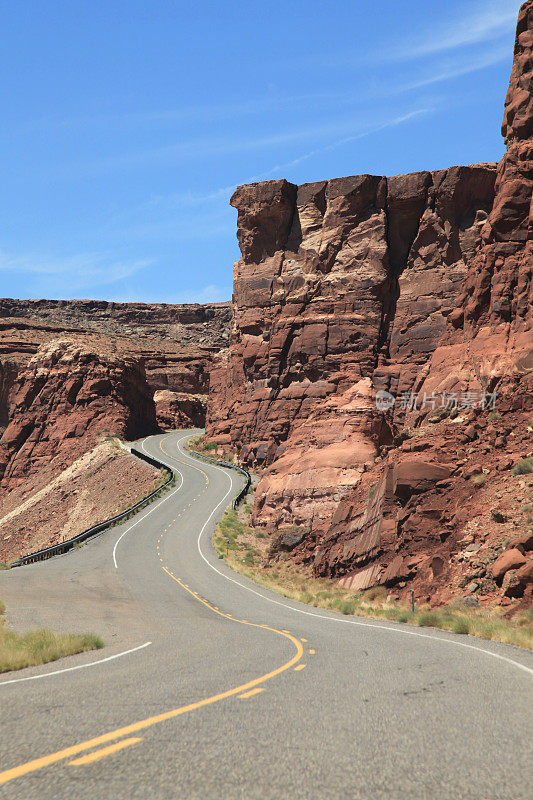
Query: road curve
point(212, 687)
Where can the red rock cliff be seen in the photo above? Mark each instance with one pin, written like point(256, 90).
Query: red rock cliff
point(415, 284)
point(61, 403)
point(177, 343)
point(315, 303)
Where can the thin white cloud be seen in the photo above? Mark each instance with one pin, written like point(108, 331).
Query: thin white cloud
point(211, 293)
point(71, 273)
point(174, 116)
point(207, 294)
point(346, 140)
point(190, 199)
point(456, 68)
point(483, 23)
point(213, 146)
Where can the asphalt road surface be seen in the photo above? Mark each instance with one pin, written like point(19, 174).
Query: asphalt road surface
point(211, 687)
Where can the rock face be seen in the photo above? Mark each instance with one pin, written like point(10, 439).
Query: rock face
point(63, 401)
point(179, 409)
point(415, 285)
point(177, 343)
point(318, 311)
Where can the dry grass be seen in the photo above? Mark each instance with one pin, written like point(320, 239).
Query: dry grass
point(245, 552)
point(19, 650)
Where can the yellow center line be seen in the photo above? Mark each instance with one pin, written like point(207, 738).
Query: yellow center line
point(60, 755)
point(312, 652)
point(106, 751)
point(251, 692)
point(300, 666)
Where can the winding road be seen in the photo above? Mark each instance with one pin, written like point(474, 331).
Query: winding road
point(211, 687)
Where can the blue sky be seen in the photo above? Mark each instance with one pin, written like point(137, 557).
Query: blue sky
point(126, 125)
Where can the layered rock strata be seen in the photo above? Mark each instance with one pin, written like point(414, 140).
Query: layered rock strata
point(417, 285)
point(177, 343)
point(317, 313)
point(61, 404)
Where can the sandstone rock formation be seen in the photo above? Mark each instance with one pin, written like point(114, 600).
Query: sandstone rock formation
point(316, 316)
point(63, 401)
point(417, 285)
point(177, 343)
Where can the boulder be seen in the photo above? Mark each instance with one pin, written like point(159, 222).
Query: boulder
point(524, 543)
point(525, 573)
point(510, 559)
point(512, 585)
point(414, 475)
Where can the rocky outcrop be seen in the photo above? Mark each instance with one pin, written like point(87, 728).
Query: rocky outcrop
point(177, 343)
point(319, 314)
point(417, 287)
point(66, 398)
point(487, 343)
point(8, 373)
point(179, 409)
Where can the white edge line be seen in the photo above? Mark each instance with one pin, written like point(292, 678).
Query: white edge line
point(340, 619)
point(80, 666)
point(143, 517)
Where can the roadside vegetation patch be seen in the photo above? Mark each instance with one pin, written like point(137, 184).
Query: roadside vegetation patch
point(197, 445)
point(246, 551)
point(19, 650)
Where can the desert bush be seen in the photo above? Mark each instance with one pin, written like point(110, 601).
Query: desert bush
point(523, 467)
point(376, 593)
point(461, 626)
point(428, 619)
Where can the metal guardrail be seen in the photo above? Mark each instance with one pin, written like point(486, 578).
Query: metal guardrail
point(244, 491)
point(63, 547)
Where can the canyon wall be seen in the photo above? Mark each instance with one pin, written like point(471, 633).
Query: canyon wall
point(402, 289)
point(176, 343)
point(327, 284)
point(63, 401)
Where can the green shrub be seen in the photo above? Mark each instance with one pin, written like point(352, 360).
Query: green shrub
point(523, 467)
point(346, 606)
point(428, 620)
point(461, 626)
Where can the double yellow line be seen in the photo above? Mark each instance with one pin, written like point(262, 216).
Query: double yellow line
point(68, 752)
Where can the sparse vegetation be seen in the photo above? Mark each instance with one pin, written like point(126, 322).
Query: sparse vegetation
point(19, 650)
point(524, 466)
point(198, 445)
point(232, 540)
